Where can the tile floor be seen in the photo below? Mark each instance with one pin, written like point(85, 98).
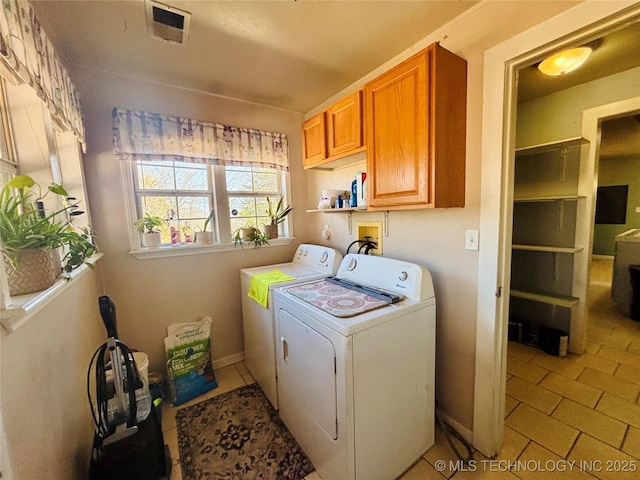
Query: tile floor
point(576, 417)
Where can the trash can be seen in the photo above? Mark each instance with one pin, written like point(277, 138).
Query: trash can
point(634, 274)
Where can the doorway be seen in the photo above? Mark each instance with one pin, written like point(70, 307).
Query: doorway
point(503, 62)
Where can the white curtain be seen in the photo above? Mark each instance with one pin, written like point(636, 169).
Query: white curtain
point(28, 54)
point(149, 136)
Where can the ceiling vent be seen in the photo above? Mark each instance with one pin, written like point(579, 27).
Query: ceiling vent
point(167, 23)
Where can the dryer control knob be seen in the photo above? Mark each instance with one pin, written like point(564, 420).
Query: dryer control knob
point(323, 257)
point(403, 276)
point(352, 264)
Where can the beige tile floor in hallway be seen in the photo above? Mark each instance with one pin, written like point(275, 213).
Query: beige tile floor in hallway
point(581, 408)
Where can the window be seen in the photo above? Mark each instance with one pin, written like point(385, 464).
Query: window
point(184, 194)
point(8, 165)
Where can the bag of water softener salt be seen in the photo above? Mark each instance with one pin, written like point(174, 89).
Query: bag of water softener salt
point(189, 368)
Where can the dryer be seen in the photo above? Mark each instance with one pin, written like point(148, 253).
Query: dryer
point(356, 367)
point(310, 262)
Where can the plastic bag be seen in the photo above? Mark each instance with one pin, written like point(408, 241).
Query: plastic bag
point(189, 367)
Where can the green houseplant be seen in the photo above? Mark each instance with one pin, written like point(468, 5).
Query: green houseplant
point(205, 237)
point(148, 226)
point(31, 237)
point(249, 235)
point(277, 214)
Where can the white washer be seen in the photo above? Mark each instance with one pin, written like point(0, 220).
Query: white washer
point(310, 262)
point(357, 393)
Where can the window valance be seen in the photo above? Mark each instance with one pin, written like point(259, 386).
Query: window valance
point(149, 136)
point(28, 54)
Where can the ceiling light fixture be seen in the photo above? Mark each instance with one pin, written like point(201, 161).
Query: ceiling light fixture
point(565, 61)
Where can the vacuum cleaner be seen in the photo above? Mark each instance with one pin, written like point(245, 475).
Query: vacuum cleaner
point(128, 441)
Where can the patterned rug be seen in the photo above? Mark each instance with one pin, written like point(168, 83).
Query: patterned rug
point(238, 435)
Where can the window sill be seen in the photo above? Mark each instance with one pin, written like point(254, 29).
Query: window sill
point(23, 307)
point(182, 249)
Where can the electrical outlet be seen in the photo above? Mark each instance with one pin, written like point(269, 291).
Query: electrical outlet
point(471, 239)
point(373, 230)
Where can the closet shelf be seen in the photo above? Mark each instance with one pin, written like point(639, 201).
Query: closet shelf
point(547, 248)
point(550, 199)
point(546, 297)
point(548, 147)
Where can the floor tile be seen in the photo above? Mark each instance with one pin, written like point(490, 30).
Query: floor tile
point(442, 451)
point(605, 461)
point(533, 395)
point(228, 379)
point(547, 431)
point(592, 348)
point(631, 443)
point(525, 370)
point(538, 463)
point(629, 373)
point(509, 404)
point(561, 365)
point(168, 416)
point(596, 424)
point(171, 440)
point(609, 383)
point(313, 476)
point(604, 339)
point(620, 356)
point(619, 408)
point(595, 362)
point(241, 367)
point(422, 471)
point(521, 351)
point(576, 391)
point(513, 444)
point(634, 347)
point(176, 472)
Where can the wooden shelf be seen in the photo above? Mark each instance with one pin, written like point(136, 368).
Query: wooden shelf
point(550, 199)
point(547, 248)
point(546, 297)
point(336, 210)
point(549, 147)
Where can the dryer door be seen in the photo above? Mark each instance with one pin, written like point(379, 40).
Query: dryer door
point(306, 376)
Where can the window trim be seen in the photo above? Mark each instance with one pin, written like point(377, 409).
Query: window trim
point(220, 201)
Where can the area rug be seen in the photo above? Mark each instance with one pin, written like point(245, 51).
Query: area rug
point(238, 435)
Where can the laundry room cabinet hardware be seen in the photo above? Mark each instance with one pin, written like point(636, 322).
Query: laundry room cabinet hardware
point(332, 135)
point(415, 130)
point(547, 251)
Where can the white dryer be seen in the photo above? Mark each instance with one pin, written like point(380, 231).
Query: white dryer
point(356, 367)
point(310, 262)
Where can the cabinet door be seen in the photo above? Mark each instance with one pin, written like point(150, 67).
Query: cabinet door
point(313, 141)
point(397, 125)
point(344, 125)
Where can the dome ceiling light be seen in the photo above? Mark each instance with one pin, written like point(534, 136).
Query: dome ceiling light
point(565, 61)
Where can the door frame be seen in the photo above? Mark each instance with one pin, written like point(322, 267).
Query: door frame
point(498, 147)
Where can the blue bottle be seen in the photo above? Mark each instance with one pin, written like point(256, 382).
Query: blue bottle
point(354, 194)
point(339, 201)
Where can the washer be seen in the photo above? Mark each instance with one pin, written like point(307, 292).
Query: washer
point(310, 262)
point(357, 392)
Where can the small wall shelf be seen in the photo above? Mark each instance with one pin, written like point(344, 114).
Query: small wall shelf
point(349, 211)
point(550, 147)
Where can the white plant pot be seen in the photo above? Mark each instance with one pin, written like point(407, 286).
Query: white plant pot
point(270, 231)
point(151, 239)
point(204, 238)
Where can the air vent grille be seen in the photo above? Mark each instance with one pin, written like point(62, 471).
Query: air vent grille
point(167, 23)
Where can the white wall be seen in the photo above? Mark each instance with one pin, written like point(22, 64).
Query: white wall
point(152, 294)
point(46, 418)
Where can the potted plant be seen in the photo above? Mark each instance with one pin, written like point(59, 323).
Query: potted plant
point(249, 235)
point(148, 227)
point(204, 237)
point(277, 214)
point(31, 237)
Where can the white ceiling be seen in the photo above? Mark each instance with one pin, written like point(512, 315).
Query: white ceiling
point(288, 54)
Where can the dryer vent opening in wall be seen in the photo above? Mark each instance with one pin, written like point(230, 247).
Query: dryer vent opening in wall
point(167, 23)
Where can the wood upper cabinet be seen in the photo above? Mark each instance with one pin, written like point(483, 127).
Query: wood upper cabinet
point(344, 125)
point(314, 145)
point(416, 132)
point(334, 133)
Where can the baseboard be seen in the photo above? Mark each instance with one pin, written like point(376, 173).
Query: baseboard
point(229, 360)
point(603, 257)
